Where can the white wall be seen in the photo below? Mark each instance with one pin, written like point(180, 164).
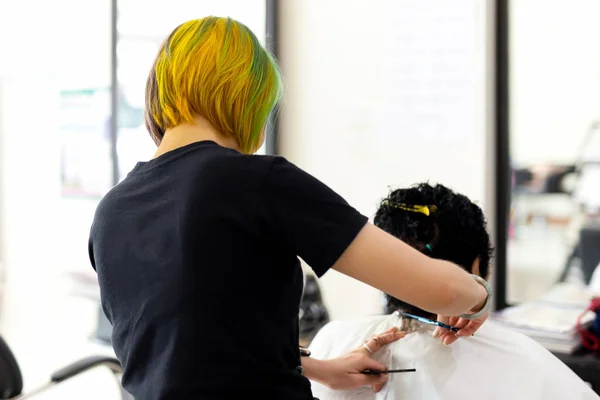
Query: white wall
point(63, 39)
point(555, 78)
point(29, 160)
point(368, 104)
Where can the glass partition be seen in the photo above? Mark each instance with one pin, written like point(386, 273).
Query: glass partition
point(553, 135)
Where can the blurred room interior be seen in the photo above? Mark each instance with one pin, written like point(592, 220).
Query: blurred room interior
point(497, 99)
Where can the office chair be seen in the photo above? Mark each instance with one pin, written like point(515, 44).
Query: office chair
point(11, 381)
point(313, 313)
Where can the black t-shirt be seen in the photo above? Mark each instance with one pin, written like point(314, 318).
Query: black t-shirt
point(196, 253)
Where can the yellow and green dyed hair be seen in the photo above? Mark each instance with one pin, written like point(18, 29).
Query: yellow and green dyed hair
point(216, 68)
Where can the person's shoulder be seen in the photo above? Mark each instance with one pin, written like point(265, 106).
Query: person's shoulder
point(518, 344)
point(220, 165)
point(559, 381)
point(271, 165)
point(277, 175)
point(497, 332)
point(254, 164)
point(232, 159)
point(108, 200)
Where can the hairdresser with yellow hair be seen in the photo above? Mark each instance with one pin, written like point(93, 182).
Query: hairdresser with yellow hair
point(197, 249)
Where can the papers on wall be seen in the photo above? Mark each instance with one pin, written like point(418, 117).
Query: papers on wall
point(433, 95)
point(432, 62)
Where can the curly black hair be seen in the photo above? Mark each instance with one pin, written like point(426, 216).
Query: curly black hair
point(454, 231)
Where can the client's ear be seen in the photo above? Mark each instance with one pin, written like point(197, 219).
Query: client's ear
point(475, 268)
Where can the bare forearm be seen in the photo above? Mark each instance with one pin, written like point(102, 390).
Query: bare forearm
point(384, 262)
point(463, 293)
point(314, 369)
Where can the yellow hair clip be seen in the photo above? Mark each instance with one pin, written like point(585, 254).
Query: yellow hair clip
point(427, 210)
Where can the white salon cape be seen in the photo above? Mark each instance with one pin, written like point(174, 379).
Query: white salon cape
point(495, 364)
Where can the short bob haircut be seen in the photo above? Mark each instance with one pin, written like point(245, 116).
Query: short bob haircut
point(216, 68)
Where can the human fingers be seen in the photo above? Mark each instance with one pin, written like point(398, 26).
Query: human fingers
point(375, 343)
point(471, 326)
point(461, 323)
point(449, 338)
point(439, 331)
point(376, 381)
point(380, 382)
point(466, 328)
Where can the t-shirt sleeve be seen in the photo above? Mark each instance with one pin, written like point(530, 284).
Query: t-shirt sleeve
point(308, 217)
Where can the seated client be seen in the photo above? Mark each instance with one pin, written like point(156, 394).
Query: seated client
point(496, 363)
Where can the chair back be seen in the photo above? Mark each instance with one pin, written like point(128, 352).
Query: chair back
point(11, 381)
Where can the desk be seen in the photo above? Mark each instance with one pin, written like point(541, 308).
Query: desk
point(585, 365)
